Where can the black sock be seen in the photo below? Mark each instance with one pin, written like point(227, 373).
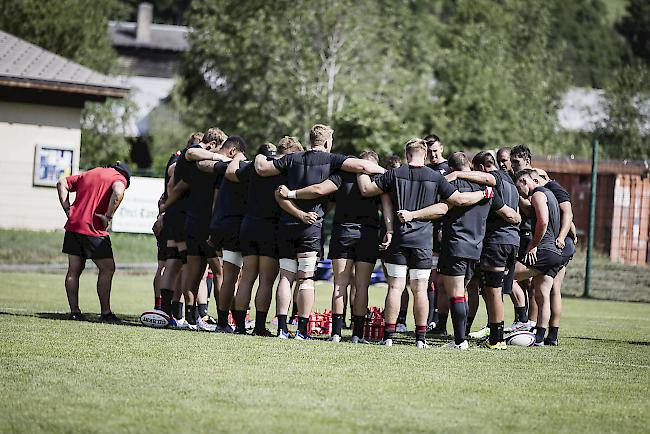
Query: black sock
point(282, 323)
point(357, 325)
point(520, 314)
point(431, 295)
point(458, 311)
point(496, 332)
point(442, 323)
point(177, 309)
point(294, 310)
point(552, 333)
point(420, 332)
point(401, 318)
point(166, 302)
point(337, 324)
point(190, 314)
point(539, 334)
point(203, 310)
point(260, 320)
point(222, 317)
point(468, 326)
point(240, 320)
point(302, 325)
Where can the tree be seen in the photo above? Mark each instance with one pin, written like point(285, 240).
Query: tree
point(103, 132)
point(635, 27)
point(75, 29)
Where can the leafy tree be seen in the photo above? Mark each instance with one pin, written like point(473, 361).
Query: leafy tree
point(635, 27)
point(75, 29)
point(103, 132)
point(164, 11)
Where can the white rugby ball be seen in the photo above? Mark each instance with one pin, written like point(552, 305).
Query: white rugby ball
point(155, 318)
point(521, 339)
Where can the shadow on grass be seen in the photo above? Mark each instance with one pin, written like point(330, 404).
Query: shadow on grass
point(613, 341)
point(126, 320)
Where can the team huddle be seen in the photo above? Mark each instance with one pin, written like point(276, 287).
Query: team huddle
point(448, 229)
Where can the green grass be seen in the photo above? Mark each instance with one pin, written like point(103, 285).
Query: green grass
point(61, 376)
point(44, 247)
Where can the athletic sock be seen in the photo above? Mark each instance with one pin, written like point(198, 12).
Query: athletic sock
point(337, 324)
point(401, 318)
point(389, 330)
point(222, 318)
point(520, 314)
point(420, 332)
point(157, 303)
point(260, 320)
point(431, 295)
point(458, 310)
point(468, 326)
point(190, 314)
point(552, 333)
point(539, 334)
point(302, 325)
point(282, 323)
point(166, 296)
point(496, 332)
point(294, 310)
point(357, 325)
point(177, 309)
point(240, 320)
point(442, 321)
point(203, 310)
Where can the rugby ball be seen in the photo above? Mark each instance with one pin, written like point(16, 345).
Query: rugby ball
point(521, 339)
point(155, 318)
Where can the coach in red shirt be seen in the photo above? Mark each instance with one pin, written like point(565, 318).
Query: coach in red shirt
point(99, 193)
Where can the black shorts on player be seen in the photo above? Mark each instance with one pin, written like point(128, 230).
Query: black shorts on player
point(524, 242)
point(197, 245)
point(174, 223)
point(225, 234)
point(87, 246)
point(298, 238)
point(548, 263)
point(501, 256)
point(258, 237)
point(413, 257)
point(356, 242)
point(457, 266)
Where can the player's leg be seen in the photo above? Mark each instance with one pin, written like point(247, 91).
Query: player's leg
point(403, 312)
point(473, 301)
point(157, 278)
point(268, 271)
point(249, 273)
point(396, 285)
point(342, 269)
point(359, 306)
point(306, 289)
point(106, 267)
point(168, 286)
point(492, 279)
point(232, 262)
point(191, 278)
point(455, 289)
point(76, 265)
point(432, 294)
point(283, 295)
point(556, 307)
point(543, 285)
point(419, 280)
point(442, 308)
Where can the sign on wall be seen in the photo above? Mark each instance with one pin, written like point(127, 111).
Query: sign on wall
point(51, 162)
point(139, 208)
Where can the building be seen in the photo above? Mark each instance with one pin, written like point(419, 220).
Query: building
point(149, 56)
point(41, 98)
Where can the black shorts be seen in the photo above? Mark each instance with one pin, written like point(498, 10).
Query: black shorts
point(356, 242)
point(174, 225)
point(437, 241)
point(499, 255)
point(87, 246)
point(161, 245)
point(548, 263)
point(225, 235)
point(524, 242)
point(298, 238)
point(197, 245)
point(456, 266)
point(258, 237)
point(568, 251)
point(413, 257)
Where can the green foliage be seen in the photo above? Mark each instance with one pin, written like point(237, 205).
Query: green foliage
point(103, 132)
point(164, 11)
point(635, 27)
point(75, 29)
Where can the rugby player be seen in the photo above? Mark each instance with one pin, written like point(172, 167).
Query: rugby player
point(353, 246)
point(258, 234)
point(543, 258)
point(299, 242)
point(414, 190)
point(503, 161)
point(99, 193)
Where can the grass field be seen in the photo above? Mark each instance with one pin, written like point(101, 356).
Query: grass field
point(63, 376)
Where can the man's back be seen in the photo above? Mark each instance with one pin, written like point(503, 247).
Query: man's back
point(498, 230)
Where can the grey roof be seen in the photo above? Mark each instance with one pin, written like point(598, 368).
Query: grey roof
point(163, 36)
point(26, 65)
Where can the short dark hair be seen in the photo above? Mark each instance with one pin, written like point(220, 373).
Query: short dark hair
point(266, 149)
point(237, 142)
point(524, 172)
point(369, 154)
point(484, 158)
point(393, 161)
point(502, 150)
point(431, 138)
point(521, 151)
point(457, 161)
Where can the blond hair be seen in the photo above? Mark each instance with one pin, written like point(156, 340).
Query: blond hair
point(320, 134)
point(194, 138)
point(414, 145)
point(215, 135)
point(288, 145)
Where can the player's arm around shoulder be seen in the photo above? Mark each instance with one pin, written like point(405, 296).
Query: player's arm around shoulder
point(357, 165)
point(266, 167)
point(233, 166)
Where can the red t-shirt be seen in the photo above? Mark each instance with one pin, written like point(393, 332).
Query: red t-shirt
point(94, 189)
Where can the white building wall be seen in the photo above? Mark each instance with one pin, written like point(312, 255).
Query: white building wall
point(22, 128)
